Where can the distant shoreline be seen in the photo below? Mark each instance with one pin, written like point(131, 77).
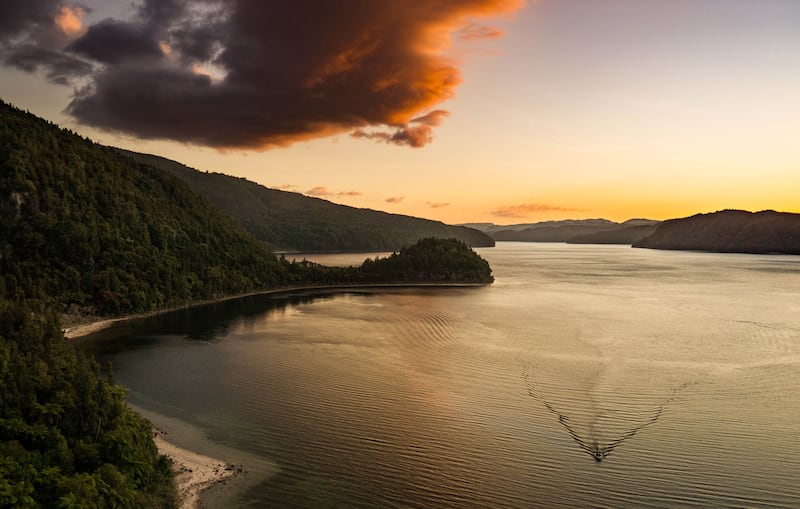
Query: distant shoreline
point(92, 326)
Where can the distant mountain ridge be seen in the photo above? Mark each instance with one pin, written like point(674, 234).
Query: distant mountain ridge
point(729, 231)
point(589, 231)
point(289, 221)
point(623, 235)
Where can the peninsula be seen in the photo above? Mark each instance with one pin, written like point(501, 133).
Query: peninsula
point(88, 233)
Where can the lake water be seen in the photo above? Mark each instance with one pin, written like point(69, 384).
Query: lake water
point(585, 376)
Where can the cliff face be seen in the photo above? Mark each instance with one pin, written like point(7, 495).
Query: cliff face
point(729, 231)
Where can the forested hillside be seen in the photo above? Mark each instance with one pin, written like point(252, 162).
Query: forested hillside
point(86, 230)
point(291, 221)
point(729, 231)
point(67, 439)
point(102, 234)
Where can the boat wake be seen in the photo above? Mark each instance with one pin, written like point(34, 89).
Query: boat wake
point(587, 439)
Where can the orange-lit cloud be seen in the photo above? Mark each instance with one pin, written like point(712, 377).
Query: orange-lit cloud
point(349, 193)
point(417, 133)
point(70, 20)
point(256, 75)
point(286, 187)
point(474, 32)
point(395, 199)
point(527, 209)
point(437, 205)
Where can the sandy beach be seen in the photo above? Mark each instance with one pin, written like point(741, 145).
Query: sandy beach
point(194, 472)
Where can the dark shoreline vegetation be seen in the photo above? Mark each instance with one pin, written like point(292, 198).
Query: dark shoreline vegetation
point(86, 231)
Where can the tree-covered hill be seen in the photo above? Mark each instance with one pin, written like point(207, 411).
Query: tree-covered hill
point(430, 260)
point(427, 261)
point(85, 229)
point(729, 231)
point(291, 221)
point(102, 234)
point(67, 439)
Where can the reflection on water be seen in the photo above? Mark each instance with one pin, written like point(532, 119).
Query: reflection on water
point(685, 366)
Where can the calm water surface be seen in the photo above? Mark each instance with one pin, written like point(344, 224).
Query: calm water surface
point(585, 376)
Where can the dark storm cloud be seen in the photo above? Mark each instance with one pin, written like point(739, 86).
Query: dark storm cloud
point(113, 42)
point(56, 66)
point(259, 74)
point(19, 16)
point(33, 34)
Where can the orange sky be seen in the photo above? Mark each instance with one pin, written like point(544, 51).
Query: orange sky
point(610, 108)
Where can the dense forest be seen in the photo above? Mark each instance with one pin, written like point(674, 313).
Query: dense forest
point(86, 231)
point(292, 222)
point(428, 261)
point(67, 439)
point(104, 234)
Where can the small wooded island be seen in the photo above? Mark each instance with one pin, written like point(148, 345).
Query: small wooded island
point(86, 231)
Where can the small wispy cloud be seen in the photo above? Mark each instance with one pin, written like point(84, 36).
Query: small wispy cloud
point(286, 187)
point(474, 31)
point(395, 199)
point(318, 191)
point(324, 191)
point(437, 205)
point(526, 209)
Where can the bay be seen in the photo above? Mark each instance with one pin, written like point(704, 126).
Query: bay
point(585, 376)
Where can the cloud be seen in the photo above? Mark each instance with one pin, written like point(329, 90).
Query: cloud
point(475, 31)
point(56, 66)
point(323, 191)
point(416, 136)
point(286, 187)
point(395, 199)
point(272, 72)
point(437, 205)
point(527, 209)
point(318, 191)
point(33, 35)
point(70, 19)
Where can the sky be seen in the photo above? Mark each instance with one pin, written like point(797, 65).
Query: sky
point(502, 111)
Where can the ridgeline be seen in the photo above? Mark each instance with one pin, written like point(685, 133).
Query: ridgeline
point(729, 231)
point(292, 222)
point(88, 231)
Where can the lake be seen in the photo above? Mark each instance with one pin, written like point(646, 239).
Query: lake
point(585, 376)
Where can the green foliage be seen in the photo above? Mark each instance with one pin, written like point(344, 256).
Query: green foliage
point(67, 440)
point(431, 260)
point(86, 229)
point(428, 261)
point(291, 221)
point(104, 234)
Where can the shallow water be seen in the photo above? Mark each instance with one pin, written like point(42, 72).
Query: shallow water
point(599, 376)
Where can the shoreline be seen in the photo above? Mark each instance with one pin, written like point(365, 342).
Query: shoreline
point(194, 472)
point(91, 326)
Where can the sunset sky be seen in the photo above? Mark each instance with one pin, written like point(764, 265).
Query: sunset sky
point(499, 111)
